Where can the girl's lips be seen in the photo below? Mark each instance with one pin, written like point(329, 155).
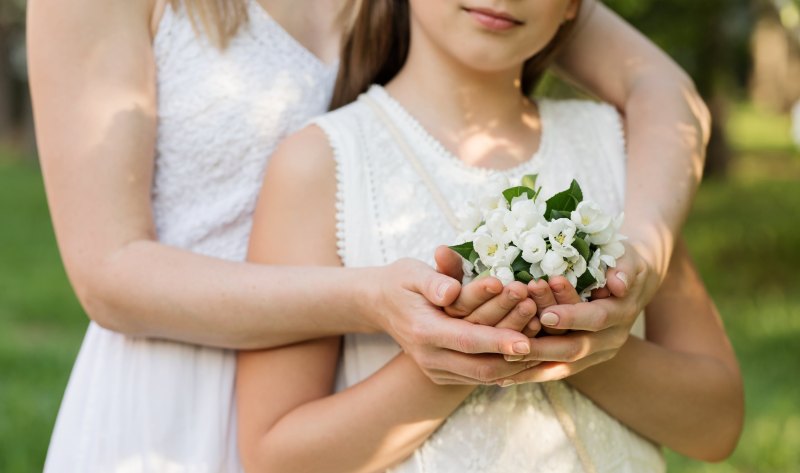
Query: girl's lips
point(493, 20)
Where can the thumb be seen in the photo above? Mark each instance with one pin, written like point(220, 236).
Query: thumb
point(619, 280)
point(440, 290)
point(449, 262)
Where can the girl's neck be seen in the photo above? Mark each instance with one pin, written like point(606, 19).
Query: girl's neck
point(481, 117)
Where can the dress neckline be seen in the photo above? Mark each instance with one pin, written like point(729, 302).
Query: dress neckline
point(402, 115)
point(259, 14)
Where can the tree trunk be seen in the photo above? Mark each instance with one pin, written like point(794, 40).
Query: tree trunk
point(6, 86)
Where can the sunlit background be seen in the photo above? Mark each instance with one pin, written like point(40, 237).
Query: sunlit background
point(744, 231)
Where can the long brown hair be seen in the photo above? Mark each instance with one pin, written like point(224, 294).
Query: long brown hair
point(377, 44)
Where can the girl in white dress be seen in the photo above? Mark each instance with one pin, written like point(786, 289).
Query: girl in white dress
point(377, 180)
point(155, 119)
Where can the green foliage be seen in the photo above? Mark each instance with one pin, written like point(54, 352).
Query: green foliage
point(709, 38)
point(561, 204)
point(514, 192)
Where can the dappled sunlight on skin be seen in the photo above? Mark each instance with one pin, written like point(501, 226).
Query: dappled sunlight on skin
point(479, 140)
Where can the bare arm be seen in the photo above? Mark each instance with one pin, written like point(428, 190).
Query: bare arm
point(301, 426)
point(667, 126)
point(93, 82)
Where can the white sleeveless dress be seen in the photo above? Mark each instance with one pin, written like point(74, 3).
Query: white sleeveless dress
point(386, 212)
point(140, 405)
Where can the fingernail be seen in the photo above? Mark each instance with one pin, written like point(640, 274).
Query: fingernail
point(443, 289)
point(521, 348)
point(513, 296)
point(624, 278)
point(493, 290)
point(514, 357)
point(506, 383)
point(549, 319)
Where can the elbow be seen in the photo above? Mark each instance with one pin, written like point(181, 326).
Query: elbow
point(719, 436)
point(95, 291)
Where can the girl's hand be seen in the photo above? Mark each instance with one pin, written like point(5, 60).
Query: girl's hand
point(631, 286)
point(600, 327)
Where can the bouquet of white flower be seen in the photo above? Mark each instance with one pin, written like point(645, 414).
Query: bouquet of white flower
point(512, 234)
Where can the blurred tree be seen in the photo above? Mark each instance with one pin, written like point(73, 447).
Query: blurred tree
point(709, 39)
point(14, 98)
point(775, 80)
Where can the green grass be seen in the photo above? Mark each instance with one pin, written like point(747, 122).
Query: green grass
point(41, 323)
point(743, 233)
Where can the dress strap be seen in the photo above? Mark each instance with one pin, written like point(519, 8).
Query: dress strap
point(411, 157)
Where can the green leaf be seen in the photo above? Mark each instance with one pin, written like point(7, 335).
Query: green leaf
point(582, 247)
point(514, 192)
point(585, 281)
point(529, 180)
point(520, 264)
point(565, 201)
point(557, 214)
point(473, 257)
point(523, 276)
point(464, 249)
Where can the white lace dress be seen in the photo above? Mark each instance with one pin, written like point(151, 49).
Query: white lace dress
point(386, 212)
point(139, 405)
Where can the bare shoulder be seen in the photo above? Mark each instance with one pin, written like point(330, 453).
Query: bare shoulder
point(304, 157)
point(295, 211)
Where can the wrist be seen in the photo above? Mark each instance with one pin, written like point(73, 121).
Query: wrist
point(366, 294)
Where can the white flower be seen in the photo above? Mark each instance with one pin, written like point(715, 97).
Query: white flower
point(492, 196)
point(611, 252)
point(470, 217)
point(497, 222)
point(525, 214)
point(561, 234)
point(576, 266)
point(607, 234)
point(533, 246)
point(597, 268)
point(553, 264)
point(493, 252)
point(590, 218)
point(503, 273)
point(536, 271)
point(467, 267)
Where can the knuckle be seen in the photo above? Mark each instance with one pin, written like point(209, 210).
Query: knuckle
point(573, 353)
point(456, 310)
point(464, 343)
point(601, 319)
point(484, 373)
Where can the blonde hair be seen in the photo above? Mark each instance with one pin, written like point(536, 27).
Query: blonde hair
point(220, 20)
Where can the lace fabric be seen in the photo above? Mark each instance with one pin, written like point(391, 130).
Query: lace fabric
point(135, 404)
point(386, 213)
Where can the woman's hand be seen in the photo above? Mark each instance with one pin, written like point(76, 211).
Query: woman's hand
point(465, 347)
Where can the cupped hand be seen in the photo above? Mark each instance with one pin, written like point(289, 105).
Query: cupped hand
point(597, 329)
point(448, 349)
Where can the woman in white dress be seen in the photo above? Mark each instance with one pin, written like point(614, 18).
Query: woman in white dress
point(379, 179)
point(153, 131)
